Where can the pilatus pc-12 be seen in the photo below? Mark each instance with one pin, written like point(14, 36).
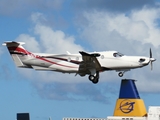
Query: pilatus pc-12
point(83, 63)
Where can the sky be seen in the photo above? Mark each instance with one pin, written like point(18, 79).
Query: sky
point(57, 26)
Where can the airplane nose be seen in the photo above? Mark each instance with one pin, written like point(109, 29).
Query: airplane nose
point(152, 59)
point(144, 61)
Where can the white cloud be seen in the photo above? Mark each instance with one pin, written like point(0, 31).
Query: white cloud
point(53, 85)
point(147, 80)
point(105, 27)
point(104, 31)
point(150, 17)
point(51, 41)
point(48, 40)
point(38, 18)
point(132, 34)
point(30, 42)
point(56, 41)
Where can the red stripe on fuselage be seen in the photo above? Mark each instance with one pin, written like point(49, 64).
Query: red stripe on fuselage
point(21, 50)
point(41, 58)
point(18, 49)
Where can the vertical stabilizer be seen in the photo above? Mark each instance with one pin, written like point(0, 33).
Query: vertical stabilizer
point(17, 52)
point(129, 102)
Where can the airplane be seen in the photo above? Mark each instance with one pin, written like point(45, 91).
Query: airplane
point(84, 63)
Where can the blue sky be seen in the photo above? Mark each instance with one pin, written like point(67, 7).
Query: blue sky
point(57, 26)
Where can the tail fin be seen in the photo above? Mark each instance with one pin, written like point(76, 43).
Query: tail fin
point(15, 47)
point(17, 52)
point(129, 102)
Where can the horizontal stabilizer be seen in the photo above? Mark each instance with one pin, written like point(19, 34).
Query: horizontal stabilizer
point(40, 68)
point(12, 43)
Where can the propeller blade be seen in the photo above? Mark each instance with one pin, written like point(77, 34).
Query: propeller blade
point(150, 53)
point(151, 65)
point(151, 59)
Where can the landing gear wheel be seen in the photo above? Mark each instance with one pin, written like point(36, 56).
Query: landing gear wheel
point(91, 77)
point(120, 74)
point(95, 81)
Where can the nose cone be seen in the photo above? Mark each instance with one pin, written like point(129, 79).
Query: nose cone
point(145, 61)
point(152, 59)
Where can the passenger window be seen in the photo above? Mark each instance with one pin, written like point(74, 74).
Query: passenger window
point(102, 56)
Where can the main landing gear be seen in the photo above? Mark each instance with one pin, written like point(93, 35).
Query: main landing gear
point(94, 78)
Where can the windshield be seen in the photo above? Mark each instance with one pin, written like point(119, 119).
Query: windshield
point(117, 54)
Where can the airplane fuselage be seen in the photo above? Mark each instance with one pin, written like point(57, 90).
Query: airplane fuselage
point(70, 63)
point(83, 63)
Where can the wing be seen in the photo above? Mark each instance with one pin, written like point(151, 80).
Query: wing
point(89, 62)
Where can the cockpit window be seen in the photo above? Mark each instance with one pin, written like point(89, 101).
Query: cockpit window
point(117, 54)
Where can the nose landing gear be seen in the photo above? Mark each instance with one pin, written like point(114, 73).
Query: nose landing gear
point(120, 74)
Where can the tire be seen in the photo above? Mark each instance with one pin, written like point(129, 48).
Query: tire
point(120, 74)
point(95, 81)
point(91, 77)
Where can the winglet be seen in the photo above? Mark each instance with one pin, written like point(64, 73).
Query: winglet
point(129, 102)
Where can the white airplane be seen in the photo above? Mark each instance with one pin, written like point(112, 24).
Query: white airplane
point(83, 64)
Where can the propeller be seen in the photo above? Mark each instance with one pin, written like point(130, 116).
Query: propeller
point(151, 59)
